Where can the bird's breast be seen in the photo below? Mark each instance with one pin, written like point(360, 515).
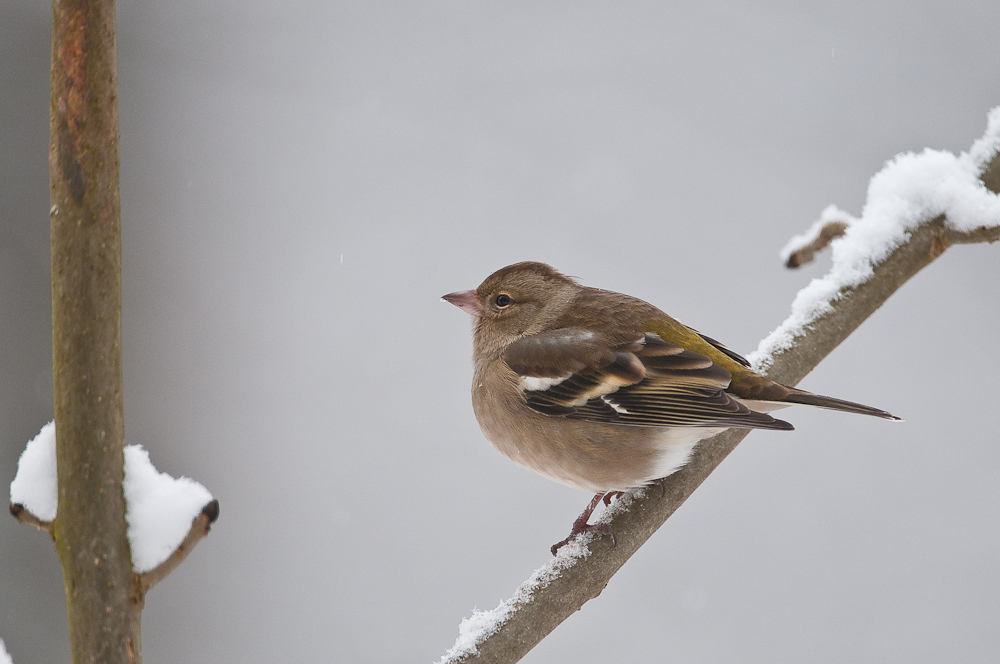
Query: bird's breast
point(591, 456)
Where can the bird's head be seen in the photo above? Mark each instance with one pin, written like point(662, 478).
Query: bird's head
point(515, 301)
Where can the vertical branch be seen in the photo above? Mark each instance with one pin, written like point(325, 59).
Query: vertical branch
point(102, 596)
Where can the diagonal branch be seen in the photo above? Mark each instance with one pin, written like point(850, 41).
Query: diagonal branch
point(562, 587)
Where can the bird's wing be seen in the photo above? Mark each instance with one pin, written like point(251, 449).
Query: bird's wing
point(573, 373)
point(731, 354)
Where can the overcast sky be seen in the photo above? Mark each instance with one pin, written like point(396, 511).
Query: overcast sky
point(300, 183)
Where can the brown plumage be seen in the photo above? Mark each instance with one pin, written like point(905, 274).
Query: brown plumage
point(602, 391)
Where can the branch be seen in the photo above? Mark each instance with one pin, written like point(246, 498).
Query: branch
point(584, 568)
point(89, 528)
point(803, 249)
point(834, 222)
point(200, 527)
point(23, 515)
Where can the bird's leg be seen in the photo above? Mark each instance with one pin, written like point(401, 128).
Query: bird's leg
point(662, 483)
point(581, 525)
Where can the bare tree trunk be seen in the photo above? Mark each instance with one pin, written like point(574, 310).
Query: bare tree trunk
point(103, 600)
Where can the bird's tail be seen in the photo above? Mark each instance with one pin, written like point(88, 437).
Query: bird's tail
point(810, 399)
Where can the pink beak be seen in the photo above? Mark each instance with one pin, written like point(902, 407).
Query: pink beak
point(467, 301)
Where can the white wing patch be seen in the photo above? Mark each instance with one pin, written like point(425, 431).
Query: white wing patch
point(536, 384)
point(617, 408)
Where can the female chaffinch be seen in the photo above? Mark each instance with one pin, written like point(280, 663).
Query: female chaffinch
point(602, 391)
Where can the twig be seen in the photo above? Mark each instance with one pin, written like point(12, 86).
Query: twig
point(805, 254)
point(200, 527)
point(23, 515)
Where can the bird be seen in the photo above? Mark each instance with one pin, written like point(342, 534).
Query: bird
point(603, 392)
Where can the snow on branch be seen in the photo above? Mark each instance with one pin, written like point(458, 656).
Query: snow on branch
point(166, 516)
point(910, 190)
point(484, 624)
point(33, 493)
point(918, 206)
point(160, 509)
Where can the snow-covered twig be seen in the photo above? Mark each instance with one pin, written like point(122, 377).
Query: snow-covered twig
point(199, 528)
point(933, 189)
point(801, 249)
point(166, 516)
point(910, 222)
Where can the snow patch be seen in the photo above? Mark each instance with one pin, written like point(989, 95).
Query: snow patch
point(34, 486)
point(4, 655)
point(988, 145)
point(159, 508)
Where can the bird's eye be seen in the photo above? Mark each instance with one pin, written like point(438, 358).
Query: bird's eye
point(503, 300)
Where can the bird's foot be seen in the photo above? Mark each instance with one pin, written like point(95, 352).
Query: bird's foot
point(612, 494)
point(581, 525)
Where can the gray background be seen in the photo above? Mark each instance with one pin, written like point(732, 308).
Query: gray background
point(664, 152)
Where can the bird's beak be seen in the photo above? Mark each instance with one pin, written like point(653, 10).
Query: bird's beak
point(467, 301)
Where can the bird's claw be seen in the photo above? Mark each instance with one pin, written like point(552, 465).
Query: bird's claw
point(602, 528)
point(581, 525)
point(612, 494)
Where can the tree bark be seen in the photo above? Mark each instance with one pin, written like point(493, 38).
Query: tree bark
point(103, 600)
